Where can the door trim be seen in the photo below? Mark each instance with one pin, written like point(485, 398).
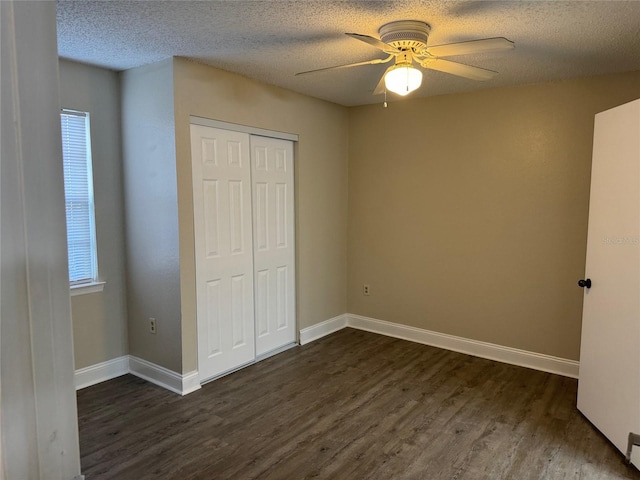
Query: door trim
point(236, 127)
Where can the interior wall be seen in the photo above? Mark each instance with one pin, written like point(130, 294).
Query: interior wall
point(100, 319)
point(468, 212)
point(151, 214)
point(321, 183)
point(39, 423)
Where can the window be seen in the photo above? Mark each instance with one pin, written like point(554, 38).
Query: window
point(78, 188)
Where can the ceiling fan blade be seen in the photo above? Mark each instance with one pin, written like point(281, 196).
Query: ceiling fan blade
point(474, 46)
point(459, 69)
point(374, 42)
point(380, 88)
point(375, 61)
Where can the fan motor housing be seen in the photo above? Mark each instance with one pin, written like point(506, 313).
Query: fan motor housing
point(405, 34)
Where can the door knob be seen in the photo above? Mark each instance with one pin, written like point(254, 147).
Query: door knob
point(585, 283)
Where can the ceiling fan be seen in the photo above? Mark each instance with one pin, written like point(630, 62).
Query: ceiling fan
point(406, 42)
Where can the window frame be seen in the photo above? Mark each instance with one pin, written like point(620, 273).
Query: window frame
point(91, 284)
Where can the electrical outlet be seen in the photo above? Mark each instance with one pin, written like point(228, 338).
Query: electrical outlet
point(152, 326)
point(366, 290)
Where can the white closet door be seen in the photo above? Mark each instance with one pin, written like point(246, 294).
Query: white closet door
point(223, 248)
point(273, 246)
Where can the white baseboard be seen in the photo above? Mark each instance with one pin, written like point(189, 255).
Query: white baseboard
point(323, 329)
point(190, 382)
point(101, 372)
point(513, 356)
point(163, 377)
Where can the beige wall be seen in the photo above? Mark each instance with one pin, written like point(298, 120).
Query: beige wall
point(100, 319)
point(468, 213)
point(321, 183)
point(151, 205)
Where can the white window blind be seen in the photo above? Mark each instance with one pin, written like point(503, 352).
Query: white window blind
point(78, 187)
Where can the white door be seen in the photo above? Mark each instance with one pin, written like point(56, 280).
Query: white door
point(609, 381)
point(274, 251)
point(223, 248)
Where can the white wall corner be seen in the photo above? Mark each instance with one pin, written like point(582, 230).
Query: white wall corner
point(513, 356)
point(101, 372)
point(322, 329)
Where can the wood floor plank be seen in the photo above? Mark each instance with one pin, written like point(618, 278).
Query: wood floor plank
point(354, 405)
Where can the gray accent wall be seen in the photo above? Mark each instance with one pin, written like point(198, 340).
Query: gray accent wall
point(100, 319)
point(153, 261)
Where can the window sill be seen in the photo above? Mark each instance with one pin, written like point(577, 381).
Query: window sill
point(85, 288)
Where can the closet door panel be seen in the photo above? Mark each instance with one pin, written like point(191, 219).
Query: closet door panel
point(223, 248)
point(274, 249)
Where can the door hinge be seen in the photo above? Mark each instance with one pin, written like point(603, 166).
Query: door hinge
point(634, 439)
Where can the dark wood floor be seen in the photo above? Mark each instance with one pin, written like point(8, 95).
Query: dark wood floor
point(353, 405)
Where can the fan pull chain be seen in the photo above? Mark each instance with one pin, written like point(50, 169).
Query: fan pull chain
point(385, 98)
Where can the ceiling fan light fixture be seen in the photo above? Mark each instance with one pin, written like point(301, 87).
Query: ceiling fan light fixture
point(403, 79)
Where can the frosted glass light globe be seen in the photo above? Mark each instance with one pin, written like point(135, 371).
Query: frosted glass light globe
point(403, 79)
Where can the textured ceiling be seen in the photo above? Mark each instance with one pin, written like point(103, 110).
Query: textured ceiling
point(270, 40)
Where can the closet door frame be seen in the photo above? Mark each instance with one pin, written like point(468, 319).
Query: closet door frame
point(206, 122)
point(236, 127)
